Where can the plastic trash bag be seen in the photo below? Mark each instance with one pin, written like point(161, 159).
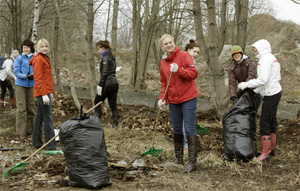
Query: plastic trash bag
point(239, 129)
point(82, 141)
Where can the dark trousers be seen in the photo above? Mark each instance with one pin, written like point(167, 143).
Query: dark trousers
point(268, 119)
point(111, 93)
point(6, 84)
point(184, 113)
point(43, 116)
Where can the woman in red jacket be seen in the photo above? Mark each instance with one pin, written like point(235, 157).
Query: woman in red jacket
point(43, 92)
point(182, 97)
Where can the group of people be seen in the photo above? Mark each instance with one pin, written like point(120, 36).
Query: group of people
point(32, 75)
point(33, 79)
point(181, 96)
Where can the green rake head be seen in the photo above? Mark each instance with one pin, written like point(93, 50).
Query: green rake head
point(16, 168)
point(201, 130)
point(153, 152)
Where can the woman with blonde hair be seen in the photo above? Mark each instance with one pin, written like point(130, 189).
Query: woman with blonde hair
point(43, 91)
point(182, 97)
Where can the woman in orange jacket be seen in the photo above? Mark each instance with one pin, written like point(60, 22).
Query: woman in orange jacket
point(181, 95)
point(43, 91)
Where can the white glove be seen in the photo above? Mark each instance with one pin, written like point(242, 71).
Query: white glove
point(161, 103)
point(242, 85)
point(173, 67)
point(99, 90)
point(46, 100)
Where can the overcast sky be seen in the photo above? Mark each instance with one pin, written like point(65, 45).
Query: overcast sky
point(287, 10)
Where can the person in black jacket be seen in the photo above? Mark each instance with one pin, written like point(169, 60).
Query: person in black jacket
point(108, 86)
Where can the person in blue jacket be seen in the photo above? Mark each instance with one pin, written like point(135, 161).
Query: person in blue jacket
point(24, 90)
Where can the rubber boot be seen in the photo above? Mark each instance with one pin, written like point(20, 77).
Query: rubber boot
point(178, 147)
point(192, 148)
point(115, 119)
point(265, 148)
point(13, 102)
point(273, 144)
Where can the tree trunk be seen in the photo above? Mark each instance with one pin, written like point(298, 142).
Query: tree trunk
point(108, 19)
point(241, 16)
point(36, 15)
point(67, 51)
point(217, 78)
point(136, 23)
point(145, 44)
point(15, 10)
point(114, 36)
point(90, 50)
point(210, 53)
point(55, 56)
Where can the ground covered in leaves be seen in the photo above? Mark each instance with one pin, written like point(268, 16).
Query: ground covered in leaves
point(129, 170)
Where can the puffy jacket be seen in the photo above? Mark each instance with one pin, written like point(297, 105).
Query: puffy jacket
point(240, 72)
point(21, 69)
point(182, 86)
point(108, 70)
point(268, 71)
point(7, 69)
point(42, 75)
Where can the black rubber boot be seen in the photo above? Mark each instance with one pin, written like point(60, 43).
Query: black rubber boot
point(115, 119)
point(178, 147)
point(192, 147)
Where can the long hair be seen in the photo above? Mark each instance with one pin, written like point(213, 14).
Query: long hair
point(105, 44)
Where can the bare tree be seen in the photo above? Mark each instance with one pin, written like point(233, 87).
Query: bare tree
point(114, 37)
point(36, 15)
point(67, 45)
point(241, 21)
point(210, 51)
point(16, 24)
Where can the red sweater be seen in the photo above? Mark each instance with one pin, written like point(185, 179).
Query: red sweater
point(182, 86)
point(42, 75)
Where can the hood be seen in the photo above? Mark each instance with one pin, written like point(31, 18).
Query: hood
point(171, 57)
point(263, 46)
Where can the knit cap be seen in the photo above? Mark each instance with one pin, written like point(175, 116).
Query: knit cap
point(236, 49)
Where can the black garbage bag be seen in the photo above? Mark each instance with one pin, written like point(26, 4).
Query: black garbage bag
point(239, 129)
point(82, 141)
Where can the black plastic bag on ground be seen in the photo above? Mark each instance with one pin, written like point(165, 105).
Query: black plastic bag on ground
point(239, 129)
point(82, 141)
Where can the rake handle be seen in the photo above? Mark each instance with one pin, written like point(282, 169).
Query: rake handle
point(56, 136)
point(159, 111)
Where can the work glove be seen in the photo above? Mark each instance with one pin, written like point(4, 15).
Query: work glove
point(99, 90)
point(29, 77)
point(161, 103)
point(173, 67)
point(46, 100)
point(242, 85)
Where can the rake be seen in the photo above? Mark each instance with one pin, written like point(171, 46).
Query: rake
point(152, 151)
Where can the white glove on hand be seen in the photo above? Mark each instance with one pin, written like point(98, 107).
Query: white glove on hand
point(99, 90)
point(46, 100)
point(242, 85)
point(173, 67)
point(161, 103)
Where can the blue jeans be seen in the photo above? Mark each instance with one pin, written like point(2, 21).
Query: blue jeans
point(184, 113)
point(43, 115)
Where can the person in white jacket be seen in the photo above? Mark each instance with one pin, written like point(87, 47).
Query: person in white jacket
point(5, 72)
point(268, 86)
